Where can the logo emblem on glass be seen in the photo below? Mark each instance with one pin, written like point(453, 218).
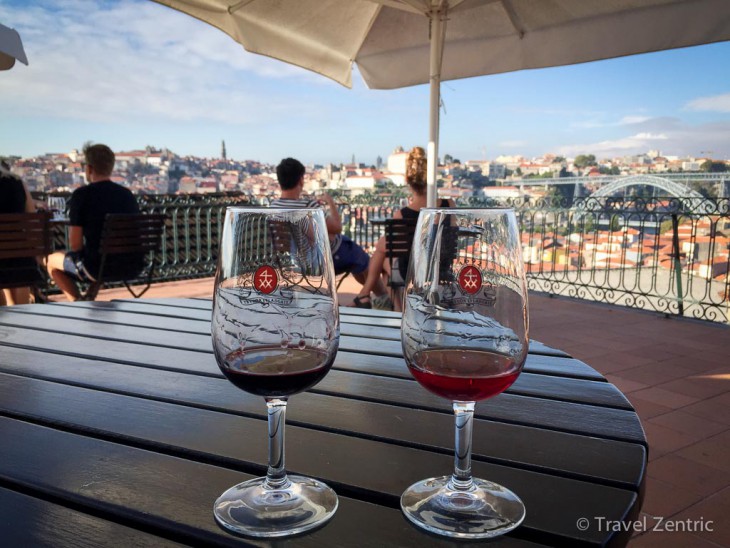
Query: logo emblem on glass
point(470, 279)
point(265, 280)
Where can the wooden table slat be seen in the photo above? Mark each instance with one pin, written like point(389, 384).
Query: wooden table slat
point(548, 451)
point(553, 365)
point(31, 521)
point(553, 414)
point(317, 454)
point(178, 494)
point(346, 317)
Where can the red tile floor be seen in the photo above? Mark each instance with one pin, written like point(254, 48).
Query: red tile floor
point(676, 373)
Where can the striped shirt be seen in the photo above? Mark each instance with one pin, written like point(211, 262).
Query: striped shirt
point(302, 203)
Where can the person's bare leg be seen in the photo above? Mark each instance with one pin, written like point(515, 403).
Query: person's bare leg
point(379, 288)
point(397, 297)
point(381, 268)
point(64, 282)
point(375, 268)
point(391, 292)
point(16, 295)
point(360, 277)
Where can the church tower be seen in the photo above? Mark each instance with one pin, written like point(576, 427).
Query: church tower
point(223, 150)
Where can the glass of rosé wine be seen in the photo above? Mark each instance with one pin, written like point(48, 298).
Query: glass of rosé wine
point(465, 338)
point(275, 331)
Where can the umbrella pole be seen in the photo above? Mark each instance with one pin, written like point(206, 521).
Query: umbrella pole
point(438, 21)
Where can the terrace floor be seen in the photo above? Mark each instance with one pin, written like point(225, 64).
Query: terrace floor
point(676, 372)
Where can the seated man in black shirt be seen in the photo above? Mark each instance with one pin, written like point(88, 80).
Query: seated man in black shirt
point(88, 208)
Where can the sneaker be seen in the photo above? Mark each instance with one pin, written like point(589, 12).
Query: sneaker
point(382, 302)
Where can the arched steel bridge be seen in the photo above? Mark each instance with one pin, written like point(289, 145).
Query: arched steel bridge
point(677, 178)
point(687, 196)
point(674, 188)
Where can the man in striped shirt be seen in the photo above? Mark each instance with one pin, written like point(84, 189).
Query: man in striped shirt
point(347, 255)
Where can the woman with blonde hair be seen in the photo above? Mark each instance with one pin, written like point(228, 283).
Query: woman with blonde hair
point(416, 165)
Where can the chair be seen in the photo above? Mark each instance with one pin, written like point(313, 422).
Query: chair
point(281, 239)
point(129, 247)
point(399, 235)
point(23, 237)
point(340, 278)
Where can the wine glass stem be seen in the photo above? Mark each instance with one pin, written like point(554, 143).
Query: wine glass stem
point(464, 417)
point(276, 477)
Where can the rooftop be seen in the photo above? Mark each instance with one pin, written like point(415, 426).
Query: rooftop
point(674, 371)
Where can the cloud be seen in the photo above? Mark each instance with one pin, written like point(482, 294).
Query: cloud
point(716, 103)
point(597, 123)
point(626, 145)
point(103, 62)
point(668, 134)
point(630, 120)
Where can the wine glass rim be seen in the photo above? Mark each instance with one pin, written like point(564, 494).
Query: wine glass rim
point(459, 210)
point(260, 209)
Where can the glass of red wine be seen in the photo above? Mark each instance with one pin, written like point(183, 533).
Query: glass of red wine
point(275, 331)
point(465, 338)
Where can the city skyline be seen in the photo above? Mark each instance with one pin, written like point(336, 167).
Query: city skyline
point(134, 73)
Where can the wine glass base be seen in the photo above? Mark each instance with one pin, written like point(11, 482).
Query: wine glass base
point(484, 511)
point(253, 510)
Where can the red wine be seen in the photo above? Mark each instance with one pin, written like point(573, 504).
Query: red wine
point(273, 371)
point(464, 375)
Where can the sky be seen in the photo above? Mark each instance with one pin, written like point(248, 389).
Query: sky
point(132, 73)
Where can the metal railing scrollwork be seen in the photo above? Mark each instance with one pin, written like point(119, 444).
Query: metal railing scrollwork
point(669, 255)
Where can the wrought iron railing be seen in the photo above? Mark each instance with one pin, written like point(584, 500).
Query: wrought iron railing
point(667, 255)
point(191, 235)
point(192, 232)
point(357, 222)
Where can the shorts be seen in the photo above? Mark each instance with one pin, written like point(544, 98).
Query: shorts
point(350, 257)
point(19, 272)
point(73, 265)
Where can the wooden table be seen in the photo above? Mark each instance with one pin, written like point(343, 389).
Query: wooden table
point(118, 429)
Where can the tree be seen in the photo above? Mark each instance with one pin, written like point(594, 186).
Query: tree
point(708, 192)
point(10, 160)
point(714, 167)
point(138, 168)
point(448, 159)
point(562, 193)
point(585, 160)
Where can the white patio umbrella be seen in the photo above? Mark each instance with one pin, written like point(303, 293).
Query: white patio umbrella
point(11, 48)
point(398, 43)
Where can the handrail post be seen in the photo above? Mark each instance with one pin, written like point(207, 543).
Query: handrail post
point(677, 262)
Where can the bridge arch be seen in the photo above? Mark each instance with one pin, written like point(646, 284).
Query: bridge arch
point(674, 188)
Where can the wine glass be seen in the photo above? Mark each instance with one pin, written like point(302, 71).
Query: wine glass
point(275, 331)
point(57, 206)
point(465, 338)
